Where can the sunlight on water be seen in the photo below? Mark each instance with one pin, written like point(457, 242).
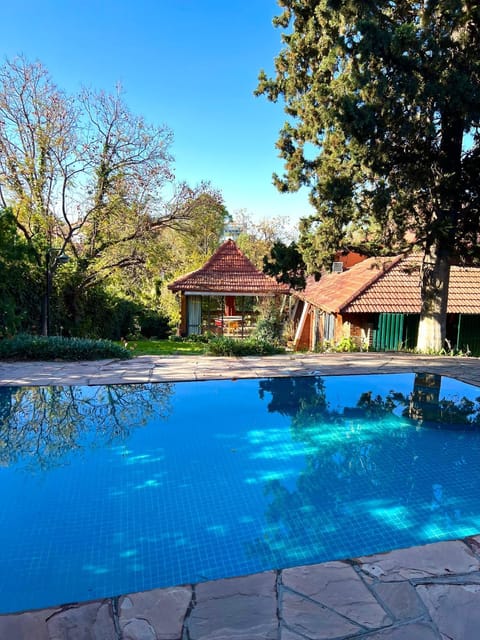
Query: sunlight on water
point(109, 490)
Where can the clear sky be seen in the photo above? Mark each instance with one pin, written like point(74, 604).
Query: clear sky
point(190, 65)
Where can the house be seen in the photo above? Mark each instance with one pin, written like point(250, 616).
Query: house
point(377, 304)
point(222, 296)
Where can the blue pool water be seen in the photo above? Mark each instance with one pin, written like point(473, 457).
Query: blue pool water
point(115, 489)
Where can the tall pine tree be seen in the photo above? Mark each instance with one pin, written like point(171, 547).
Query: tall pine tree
point(383, 105)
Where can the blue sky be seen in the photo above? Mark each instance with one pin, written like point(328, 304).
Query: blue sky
point(187, 64)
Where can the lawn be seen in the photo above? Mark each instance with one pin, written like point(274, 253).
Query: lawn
point(164, 347)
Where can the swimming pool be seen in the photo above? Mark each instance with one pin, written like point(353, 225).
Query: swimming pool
point(114, 489)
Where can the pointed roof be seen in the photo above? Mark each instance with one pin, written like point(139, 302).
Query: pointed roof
point(228, 272)
point(334, 291)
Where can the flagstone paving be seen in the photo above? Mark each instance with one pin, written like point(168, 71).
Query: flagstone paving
point(431, 592)
point(176, 368)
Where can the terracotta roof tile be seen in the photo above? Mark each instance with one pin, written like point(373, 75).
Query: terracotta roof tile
point(334, 291)
point(464, 290)
point(397, 293)
point(398, 290)
point(228, 271)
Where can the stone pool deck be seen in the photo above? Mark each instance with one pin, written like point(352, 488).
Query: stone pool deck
point(177, 368)
point(421, 593)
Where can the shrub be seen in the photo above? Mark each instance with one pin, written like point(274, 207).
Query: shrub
point(346, 345)
point(268, 330)
point(29, 347)
point(154, 325)
point(269, 327)
point(198, 337)
point(224, 346)
point(99, 312)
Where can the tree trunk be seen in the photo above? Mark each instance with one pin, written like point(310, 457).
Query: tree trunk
point(441, 243)
point(424, 402)
point(433, 315)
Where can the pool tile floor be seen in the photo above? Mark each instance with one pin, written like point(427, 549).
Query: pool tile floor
point(427, 592)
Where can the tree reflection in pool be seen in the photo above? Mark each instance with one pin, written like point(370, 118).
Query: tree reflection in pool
point(41, 426)
point(116, 489)
point(366, 469)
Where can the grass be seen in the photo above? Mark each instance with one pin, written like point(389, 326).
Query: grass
point(164, 348)
point(27, 347)
point(219, 346)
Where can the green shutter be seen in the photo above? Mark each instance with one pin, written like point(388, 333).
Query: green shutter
point(389, 334)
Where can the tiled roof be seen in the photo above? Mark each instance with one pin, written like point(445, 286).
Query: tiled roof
point(334, 291)
point(398, 290)
point(228, 271)
point(464, 290)
point(397, 293)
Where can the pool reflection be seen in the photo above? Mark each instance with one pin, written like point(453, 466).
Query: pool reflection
point(133, 487)
point(41, 427)
point(394, 468)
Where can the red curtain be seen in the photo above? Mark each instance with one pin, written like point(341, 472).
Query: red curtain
point(230, 306)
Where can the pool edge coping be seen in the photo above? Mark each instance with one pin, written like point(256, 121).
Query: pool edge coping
point(163, 368)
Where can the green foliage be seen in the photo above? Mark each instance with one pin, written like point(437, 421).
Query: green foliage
point(85, 167)
point(383, 105)
point(80, 166)
point(29, 347)
point(256, 239)
point(269, 326)
point(197, 235)
point(185, 246)
point(268, 329)
point(21, 282)
point(182, 346)
point(201, 338)
point(385, 94)
point(449, 351)
point(346, 345)
point(285, 263)
point(224, 346)
point(101, 312)
point(203, 344)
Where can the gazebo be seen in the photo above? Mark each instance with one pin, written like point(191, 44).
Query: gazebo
point(221, 296)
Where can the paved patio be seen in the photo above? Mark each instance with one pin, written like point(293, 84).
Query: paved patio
point(428, 592)
point(176, 368)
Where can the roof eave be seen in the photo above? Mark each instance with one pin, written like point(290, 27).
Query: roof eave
point(385, 267)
